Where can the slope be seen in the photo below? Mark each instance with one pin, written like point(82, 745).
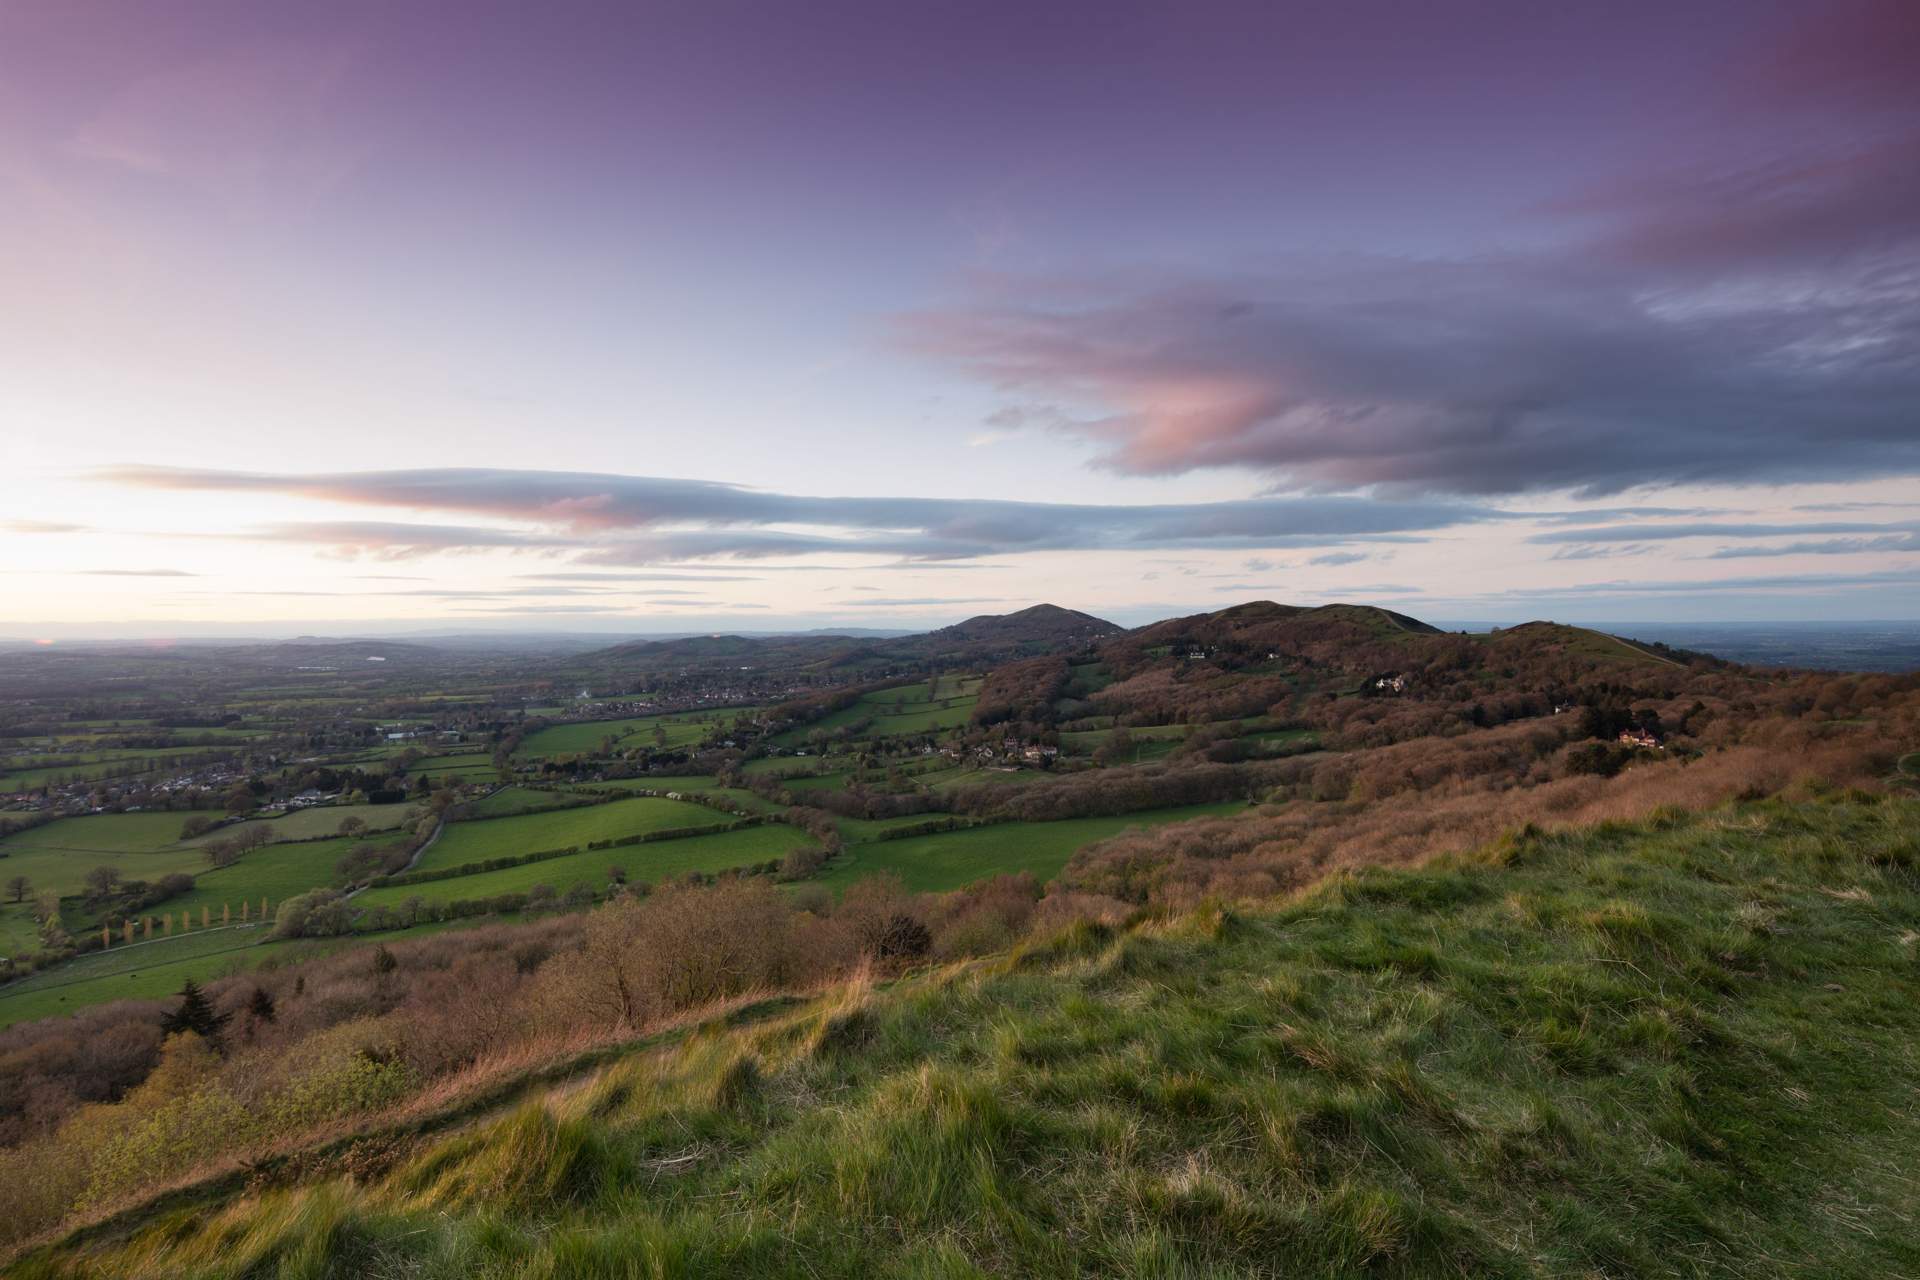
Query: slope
point(1680, 1048)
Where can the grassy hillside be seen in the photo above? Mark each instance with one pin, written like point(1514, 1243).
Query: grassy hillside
point(1676, 1049)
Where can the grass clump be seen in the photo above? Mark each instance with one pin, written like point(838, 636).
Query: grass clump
point(1675, 1049)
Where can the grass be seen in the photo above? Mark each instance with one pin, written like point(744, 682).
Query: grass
point(1682, 1049)
point(275, 872)
point(312, 823)
point(63, 870)
point(510, 801)
point(140, 972)
point(653, 862)
point(104, 833)
point(950, 859)
point(951, 707)
point(586, 737)
point(463, 842)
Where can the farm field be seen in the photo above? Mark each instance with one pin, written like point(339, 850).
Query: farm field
point(140, 972)
point(511, 801)
point(476, 841)
point(654, 862)
point(905, 709)
point(950, 859)
point(274, 872)
point(586, 736)
point(464, 764)
point(150, 971)
point(106, 833)
point(55, 869)
point(309, 824)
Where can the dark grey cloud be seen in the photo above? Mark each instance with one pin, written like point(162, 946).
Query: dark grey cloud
point(612, 521)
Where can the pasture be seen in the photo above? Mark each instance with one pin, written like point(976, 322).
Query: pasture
point(311, 824)
point(654, 862)
point(587, 737)
point(951, 859)
point(476, 841)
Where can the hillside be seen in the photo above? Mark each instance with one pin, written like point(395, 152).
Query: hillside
point(985, 639)
point(1043, 628)
point(1678, 1048)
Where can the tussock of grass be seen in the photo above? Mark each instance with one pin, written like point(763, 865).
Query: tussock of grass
point(1678, 1048)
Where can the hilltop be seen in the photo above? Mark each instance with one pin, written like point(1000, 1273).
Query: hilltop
point(1673, 1048)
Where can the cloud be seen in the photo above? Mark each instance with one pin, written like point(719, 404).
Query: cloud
point(1829, 547)
point(136, 573)
point(901, 602)
point(1668, 532)
point(588, 576)
point(1611, 551)
point(1486, 376)
point(1800, 583)
point(1746, 315)
point(611, 521)
point(1340, 557)
point(39, 526)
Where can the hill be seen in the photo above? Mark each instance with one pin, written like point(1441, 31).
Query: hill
point(1676, 1048)
point(981, 640)
point(1042, 628)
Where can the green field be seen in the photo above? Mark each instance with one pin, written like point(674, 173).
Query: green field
point(476, 841)
point(950, 859)
point(586, 737)
point(140, 972)
point(275, 872)
point(510, 801)
point(653, 862)
point(62, 868)
point(309, 824)
point(155, 970)
point(105, 833)
point(905, 709)
point(463, 765)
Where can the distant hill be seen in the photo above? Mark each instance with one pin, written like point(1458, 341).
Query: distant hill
point(1043, 628)
point(981, 640)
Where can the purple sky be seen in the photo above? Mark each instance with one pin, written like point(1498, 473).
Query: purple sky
point(882, 314)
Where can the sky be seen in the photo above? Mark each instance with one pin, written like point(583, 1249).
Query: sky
point(647, 317)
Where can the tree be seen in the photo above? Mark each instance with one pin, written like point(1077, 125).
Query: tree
point(260, 1008)
point(240, 798)
point(102, 881)
point(352, 827)
point(18, 888)
point(195, 1014)
point(197, 825)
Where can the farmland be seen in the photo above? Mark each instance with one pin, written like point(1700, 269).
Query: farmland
point(950, 859)
point(476, 841)
point(650, 862)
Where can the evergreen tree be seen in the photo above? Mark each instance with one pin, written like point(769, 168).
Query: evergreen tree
point(260, 1005)
point(195, 1014)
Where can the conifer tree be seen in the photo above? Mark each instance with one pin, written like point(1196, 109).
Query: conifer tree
point(195, 1014)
